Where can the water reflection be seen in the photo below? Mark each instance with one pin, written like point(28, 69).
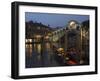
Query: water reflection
point(39, 55)
point(28, 49)
point(37, 47)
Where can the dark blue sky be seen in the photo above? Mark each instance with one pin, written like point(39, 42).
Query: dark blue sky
point(54, 20)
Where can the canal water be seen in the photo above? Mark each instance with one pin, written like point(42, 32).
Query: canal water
point(40, 55)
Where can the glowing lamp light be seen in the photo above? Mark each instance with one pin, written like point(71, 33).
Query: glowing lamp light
point(38, 36)
point(47, 37)
point(60, 49)
point(72, 23)
point(30, 40)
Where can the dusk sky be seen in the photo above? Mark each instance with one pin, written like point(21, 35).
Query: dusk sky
point(54, 20)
